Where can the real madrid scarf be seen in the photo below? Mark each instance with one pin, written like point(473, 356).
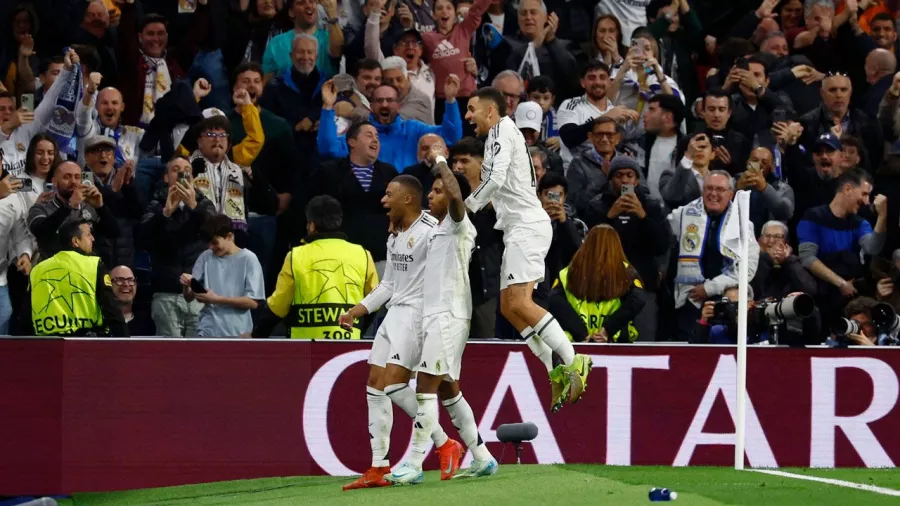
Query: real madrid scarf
point(223, 185)
point(157, 83)
point(62, 124)
point(694, 227)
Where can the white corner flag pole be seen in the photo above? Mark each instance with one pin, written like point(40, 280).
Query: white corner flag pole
point(743, 202)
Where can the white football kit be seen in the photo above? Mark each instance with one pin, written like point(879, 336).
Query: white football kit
point(448, 297)
point(399, 338)
point(508, 181)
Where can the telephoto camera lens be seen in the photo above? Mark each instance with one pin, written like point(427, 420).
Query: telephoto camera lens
point(796, 307)
point(843, 327)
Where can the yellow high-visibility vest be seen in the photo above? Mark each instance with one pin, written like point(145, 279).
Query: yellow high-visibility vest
point(64, 295)
point(329, 279)
point(593, 314)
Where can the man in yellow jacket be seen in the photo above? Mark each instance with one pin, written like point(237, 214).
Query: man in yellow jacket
point(71, 292)
point(321, 279)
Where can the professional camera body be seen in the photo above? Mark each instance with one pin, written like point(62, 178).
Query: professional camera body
point(769, 313)
point(885, 320)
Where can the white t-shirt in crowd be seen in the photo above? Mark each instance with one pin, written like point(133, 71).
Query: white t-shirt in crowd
point(631, 13)
point(660, 161)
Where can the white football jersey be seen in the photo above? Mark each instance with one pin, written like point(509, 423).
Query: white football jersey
point(508, 180)
point(450, 246)
point(577, 111)
point(404, 273)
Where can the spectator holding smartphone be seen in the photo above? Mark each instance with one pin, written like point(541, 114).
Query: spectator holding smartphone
point(227, 279)
point(568, 231)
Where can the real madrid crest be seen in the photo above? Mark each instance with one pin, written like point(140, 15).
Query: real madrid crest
point(20, 147)
point(410, 243)
point(691, 240)
point(85, 215)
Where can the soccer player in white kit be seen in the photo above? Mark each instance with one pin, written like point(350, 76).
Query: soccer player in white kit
point(447, 314)
point(508, 181)
point(398, 343)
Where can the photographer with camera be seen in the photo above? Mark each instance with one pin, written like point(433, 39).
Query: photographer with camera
point(887, 275)
point(866, 322)
point(774, 321)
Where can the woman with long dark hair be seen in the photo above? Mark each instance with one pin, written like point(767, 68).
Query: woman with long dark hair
point(606, 41)
point(595, 297)
point(18, 63)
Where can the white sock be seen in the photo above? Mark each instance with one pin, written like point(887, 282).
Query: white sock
point(404, 397)
point(423, 426)
point(464, 420)
point(538, 347)
point(552, 334)
point(381, 421)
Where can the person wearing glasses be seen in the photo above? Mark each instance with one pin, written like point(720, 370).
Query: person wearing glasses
point(124, 286)
point(231, 188)
point(780, 272)
point(706, 265)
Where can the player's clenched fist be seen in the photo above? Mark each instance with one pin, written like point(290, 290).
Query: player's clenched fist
point(346, 321)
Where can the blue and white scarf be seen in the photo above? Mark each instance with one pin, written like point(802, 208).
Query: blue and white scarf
point(62, 124)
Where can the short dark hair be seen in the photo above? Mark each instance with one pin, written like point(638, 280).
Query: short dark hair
point(672, 104)
point(6, 94)
point(150, 19)
point(467, 146)
point(325, 213)
point(69, 230)
point(89, 56)
point(217, 226)
point(552, 179)
point(541, 84)
point(412, 184)
point(595, 65)
point(717, 93)
point(851, 141)
point(883, 16)
point(216, 122)
point(46, 62)
point(763, 59)
point(366, 64)
point(247, 66)
point(854, 177)
point(494, 95)
point(353, 131)
point(860, 305)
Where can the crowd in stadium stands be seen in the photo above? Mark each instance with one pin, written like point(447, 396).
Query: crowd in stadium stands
point(191, 135)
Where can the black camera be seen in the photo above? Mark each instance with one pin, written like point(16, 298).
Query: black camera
point(887, 324)
point(724, 312)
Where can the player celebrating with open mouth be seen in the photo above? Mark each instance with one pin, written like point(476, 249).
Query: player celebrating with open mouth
point(446, 316)
point(508, 181)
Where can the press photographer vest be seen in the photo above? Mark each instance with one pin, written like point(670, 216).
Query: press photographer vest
point(329, 279)
point(64, 295)
point(593, 314)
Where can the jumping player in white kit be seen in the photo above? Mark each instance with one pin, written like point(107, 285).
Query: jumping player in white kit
point(447, 313)
point(397, 348)
point(509, 183)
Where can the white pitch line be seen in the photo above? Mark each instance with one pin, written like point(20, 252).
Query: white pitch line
point(830, 481)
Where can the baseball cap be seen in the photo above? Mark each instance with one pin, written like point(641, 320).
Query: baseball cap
point(830, 140)
point(412, 31)
point(529, 115)
point(97, 141)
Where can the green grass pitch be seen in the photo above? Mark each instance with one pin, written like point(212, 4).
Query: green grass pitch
point(517, 485)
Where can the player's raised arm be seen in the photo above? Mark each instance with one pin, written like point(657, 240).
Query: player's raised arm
point(451, 186)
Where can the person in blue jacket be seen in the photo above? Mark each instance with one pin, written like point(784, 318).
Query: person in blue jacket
point(399, 137)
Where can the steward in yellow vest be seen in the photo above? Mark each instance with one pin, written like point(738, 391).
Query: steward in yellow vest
point(599, 315)
point(71, 292)
point(321, 279)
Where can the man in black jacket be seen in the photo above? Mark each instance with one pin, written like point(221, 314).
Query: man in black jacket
point(752, 102)
point(358, 182)
point(568, 231)
point(170, 232)
point(835, 116)
point(731, 148)
point(641, 224)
